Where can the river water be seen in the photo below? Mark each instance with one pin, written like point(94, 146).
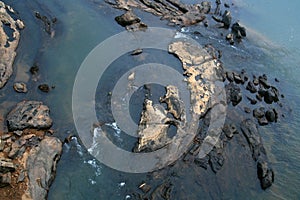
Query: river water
point(273, 38)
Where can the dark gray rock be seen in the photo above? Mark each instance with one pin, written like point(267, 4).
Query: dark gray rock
point(252, 101)
point(2, 145)
point(238, 30)
point(202, 162)
point(251, 87)
point(237, 78)
point(127, 19)
point(41, 166)
point(250, 131)
point(259, 112)
point(229, 76)
point(263, 121)
point(229, 130)
point(226, 19)
point(44, 87)
point(271, 115)
point(263, 81)
point(216, 161)
point(21, 176)
point(233, 93)
point(29, 114)
point(205, 7)
point(271, 95)
point(265, 174)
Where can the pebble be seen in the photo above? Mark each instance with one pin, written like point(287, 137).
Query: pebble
point(20, 87)
point(44, 88)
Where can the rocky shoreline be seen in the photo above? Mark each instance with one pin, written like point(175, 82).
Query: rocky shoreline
point(28, 151)
point(252, 101)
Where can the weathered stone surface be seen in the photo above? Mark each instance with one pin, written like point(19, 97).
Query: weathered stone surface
point(175, 105)
point(200, 68)
point(8, 44)
point(41, 167)
point(29, 114)
point(6, 165)
point(153, 128)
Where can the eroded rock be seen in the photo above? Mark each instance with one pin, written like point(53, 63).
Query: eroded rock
point(41, 167)
point(8, 43)
point(29, 114)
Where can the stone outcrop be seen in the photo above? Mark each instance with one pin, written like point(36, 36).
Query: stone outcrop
point(29, 114)
point(9, 40)
point(41, 167)
point(154, 123)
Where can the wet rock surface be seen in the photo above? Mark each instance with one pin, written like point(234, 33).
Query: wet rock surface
point(29, 114)
point(9, 41)
point(41, 166)
point(180, 14)
point(239, 128)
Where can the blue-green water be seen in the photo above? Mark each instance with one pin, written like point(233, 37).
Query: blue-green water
point(273, 41)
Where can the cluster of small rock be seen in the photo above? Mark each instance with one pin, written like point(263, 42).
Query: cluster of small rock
point(180, 14)
point(260, 92)
point(28, 156)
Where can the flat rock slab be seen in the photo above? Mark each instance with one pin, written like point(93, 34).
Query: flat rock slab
point(41, 167)
point(29, 114)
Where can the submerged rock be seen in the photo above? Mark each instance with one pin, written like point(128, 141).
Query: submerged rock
point(265, 174)
point(233, 93)
point(44, 88)
point(29, 114)
point(8, 43)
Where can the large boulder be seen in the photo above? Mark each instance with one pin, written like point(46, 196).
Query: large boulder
point(29, 114)
point(41, 167)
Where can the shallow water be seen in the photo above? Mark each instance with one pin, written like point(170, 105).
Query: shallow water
point(272, 47)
